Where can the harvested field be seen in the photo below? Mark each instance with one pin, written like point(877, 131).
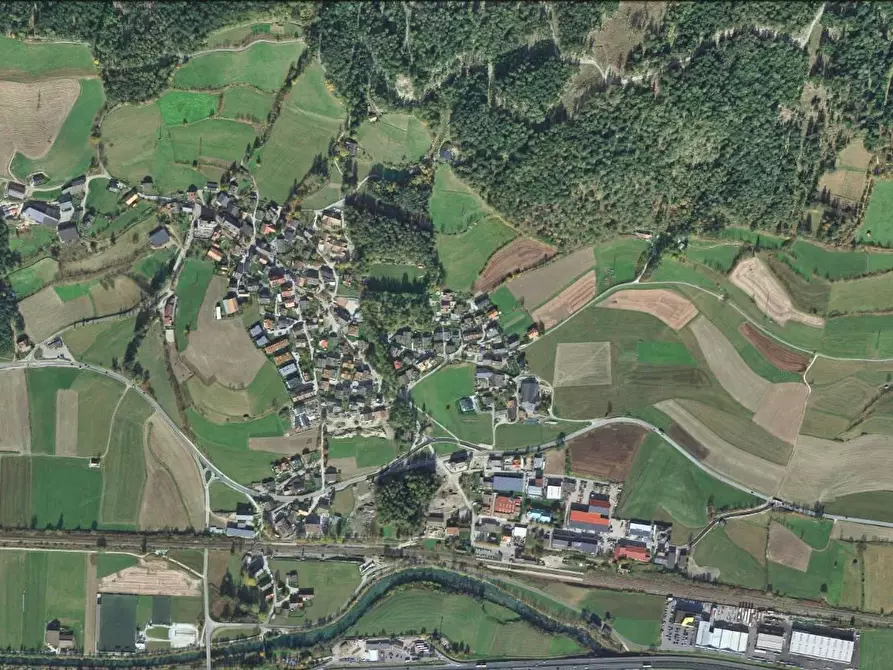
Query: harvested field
point(750, 535)
point(736, 464)
point(777, 354)
point(688, 442)
point(174, 496)
point(850, 530)
point(568, 302)
point(846, 185)
point(878, 578)
point(755, 278)
point(555, 462)
point(222, 351)
point(781, 410)
point(788, 549)
point(537, 286)
point(606, 452)
point(826, 469)
point(45, 313)
point(66, 422)
point(668, 306)
point(515, 257)
point(15, 428)
point(582, 364)
point(298, 443)
point(733, 374)
point(151, 578)
point(31, 116)
point(121, 295)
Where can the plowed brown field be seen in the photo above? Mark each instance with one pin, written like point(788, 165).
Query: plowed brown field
point(606, 452)
point(671, 308)
point(570, 301)
point(516, 256)
point(777, 354)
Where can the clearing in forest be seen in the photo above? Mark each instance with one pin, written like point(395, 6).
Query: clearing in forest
point(567, 303)
point(582, 364)
point(515, 257)
point(668, 306)
point(755, 278)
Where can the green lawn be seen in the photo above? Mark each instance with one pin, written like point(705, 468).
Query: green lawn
point(72, 151)
point(212, 139)
point(309, 120)
point(663, 479)
point(227, 444)
point(439, 394)
point(101, 199)
point(398, 273)
point(877, 227)
point(454, 206)
point(34, 60)
point(31, 241)
point(834, 263)
point(736, 566)
point(69, 292)
point(875, 649)
point(664, 353)
point(615, 261)
point(246, 104)
point(64, 492)
point(223, 498)
point(182, 107)
point(42, 387)
point(465, 254)
point(512, 317)
point(491, 631)
point(36, 587)
point(124, 467)
point(369, 452)
point(333, 583)
point(517, 435)
point(191, 288)
point(107, 564)
point(262, 65)
point(395, 139)
point(31, 279)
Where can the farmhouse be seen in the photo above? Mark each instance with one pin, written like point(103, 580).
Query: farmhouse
point(159, 237)
point(629, 549)
point(15, 191)
point(41, 214)
point(58, 637)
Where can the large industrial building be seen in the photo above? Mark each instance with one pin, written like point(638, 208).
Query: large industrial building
point(733, 639)
point(825, 647)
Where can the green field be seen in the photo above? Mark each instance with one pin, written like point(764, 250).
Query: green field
point(875, 649)
point(265, 393)
point(396, 139)
point(877, 226)
point(438, 396)
point(108, 224)
point(815, 532)
point(369, 452)
point(100, 199)
point(757, 238)
point(830, 576)
point(663, 482)
point(464, 255)
point(309, 120)
point(152, 264)
point(37, 587)
point(31, 279)
point(246, 104)
point(223, 498)
point(518, 435)
point(31, 241)
point(69, 292)
point(124, 466)
point(870, 505)
point(72, 151)
point(489, 630)
point(214, 139)
point(398, 273)
point(107, 564)
point(333, 583)
point(238, 35)
point(454, 206)
point(811, 295)
point(863, 336)
point(24, 61)
point(834, 263)
point(664, 353)
point(191, 288)
point(736, 566)
point(15, 491)
point(182, 107)
point(615, 261)
point(869, 294)
point(65, 493)
point(227, 444)
point(715, 255)
point(261, 65)
point(512, 317)
point(101, 343)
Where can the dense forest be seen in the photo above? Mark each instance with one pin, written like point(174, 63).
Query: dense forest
point(9, 312)
point(403, 501)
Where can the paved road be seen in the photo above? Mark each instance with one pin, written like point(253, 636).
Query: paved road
point(668, 662)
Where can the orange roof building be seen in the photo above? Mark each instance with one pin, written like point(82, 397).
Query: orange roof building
point(506, 505)
point(633, 551)
point(588, 521)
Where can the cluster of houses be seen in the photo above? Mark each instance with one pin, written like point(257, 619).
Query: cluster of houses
point(61, 215)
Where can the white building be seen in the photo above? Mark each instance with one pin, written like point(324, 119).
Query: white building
point(770, 642)
point(821, 646)
point(723, 639)
point(553, 492)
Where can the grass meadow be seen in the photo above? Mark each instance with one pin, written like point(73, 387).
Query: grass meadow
point(23, 61)
point(519, 435)
point(182, 107)
point(717, 256)
point(37, 587)
point(454, 206)
point(834, 574)
point(261, 65)
point(265, 393)
point(223, 498)
point(31, 279)
point(368, 452)
point(65, 493)
point(814, 532)
point(396, 139)
point(513, 319)
point(616, 261)
point(438, 395)
point(246, 104)
point(877, 226)
point(31, 242)
point(108, 564)
point(333, 582)
point(124, 466)
point(463, 255)
point(736, 566)
point(490, 630)
point(875, 649)
point(191, 288)
point(832, 263)
point(868, 505)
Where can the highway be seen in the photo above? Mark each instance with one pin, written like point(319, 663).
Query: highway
point(667, 662)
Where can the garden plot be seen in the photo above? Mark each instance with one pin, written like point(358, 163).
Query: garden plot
point(668, 306)
point(733, 374)
point(582, 364)
point(827, 469)
point(755, 278)
point(15, 427)
point(66, 422)
point(736, 464)
point(781, 410)
point(787, 549)
point(567, 303)
point(517, 256)
point(151, 578)
point(537, 286)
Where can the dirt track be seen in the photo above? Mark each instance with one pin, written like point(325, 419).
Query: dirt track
point(756, 279)
point(513, 258)
point(668, 306)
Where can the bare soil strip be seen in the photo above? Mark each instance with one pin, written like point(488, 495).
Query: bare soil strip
point(515, 257)
point(780, 356)
point(733, 374)
point(570, 301)
point(781, 410)
point(756, 279)
point(582, 364)
point(151, 578)
point(222, 351)
point(788, 549)
point(606, 452)
point(299, 443)
point(670, 307)
point(826, 469)
point(66, 422)
point(15, 426)
point(736, 464)
point(537, 286)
